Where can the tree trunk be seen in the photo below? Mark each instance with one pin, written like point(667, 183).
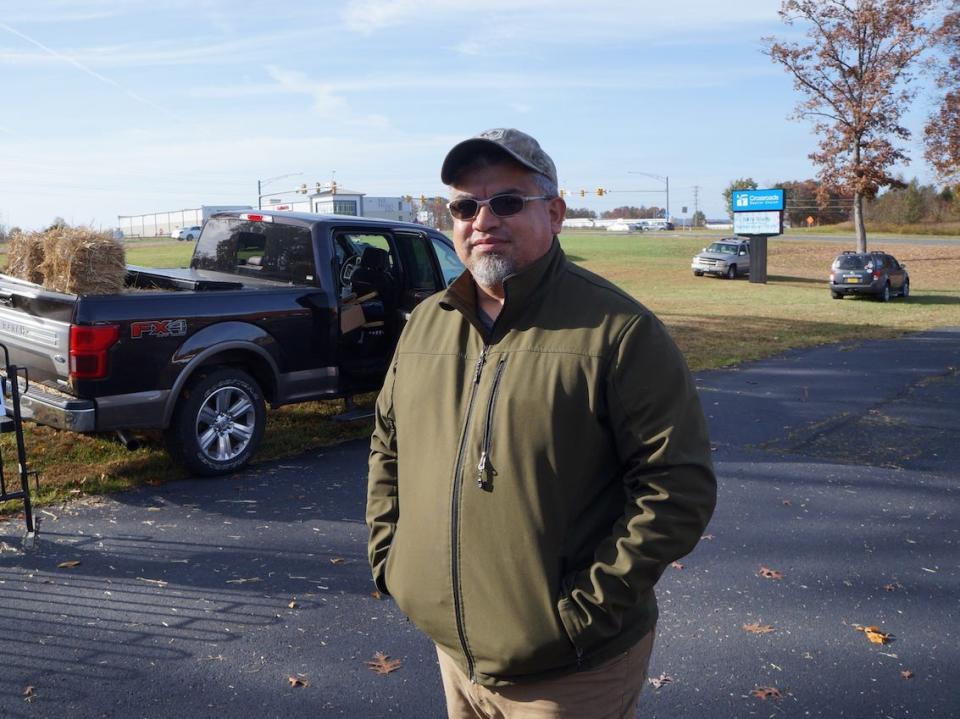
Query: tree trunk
point(858, 221)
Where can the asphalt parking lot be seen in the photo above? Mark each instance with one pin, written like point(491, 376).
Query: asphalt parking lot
point(250, 596)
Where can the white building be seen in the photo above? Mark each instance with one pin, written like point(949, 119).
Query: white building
point(340, 201)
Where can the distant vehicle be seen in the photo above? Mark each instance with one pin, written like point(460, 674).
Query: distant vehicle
point(868, 273)
point(189, 233)
point(655, 223)
point(175, 233)
point(728, 258)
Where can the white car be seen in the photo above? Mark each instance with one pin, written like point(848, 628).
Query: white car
point(189, 233)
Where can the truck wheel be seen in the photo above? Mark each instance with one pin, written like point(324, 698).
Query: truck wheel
point(731, 272)
point(884, 295)
point(218, 422)
point(697, 273)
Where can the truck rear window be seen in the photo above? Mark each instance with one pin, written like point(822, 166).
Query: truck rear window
point(256, 249)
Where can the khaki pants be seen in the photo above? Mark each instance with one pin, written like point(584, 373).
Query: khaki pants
point(609, 691)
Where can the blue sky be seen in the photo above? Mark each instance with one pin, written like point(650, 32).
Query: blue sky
point(132, 107)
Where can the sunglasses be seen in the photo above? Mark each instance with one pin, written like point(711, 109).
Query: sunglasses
point(500, 205)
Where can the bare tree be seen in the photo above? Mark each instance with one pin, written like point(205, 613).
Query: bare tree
point(855, 74)
point(942, 131)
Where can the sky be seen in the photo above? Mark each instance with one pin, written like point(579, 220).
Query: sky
point(114, 108)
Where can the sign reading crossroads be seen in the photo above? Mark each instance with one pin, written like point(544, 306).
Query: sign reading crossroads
point(753, 200)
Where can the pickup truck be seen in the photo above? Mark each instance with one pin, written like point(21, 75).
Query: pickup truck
point(727, 258)
point(275, 307)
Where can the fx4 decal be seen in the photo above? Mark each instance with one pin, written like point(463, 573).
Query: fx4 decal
point(158, 328)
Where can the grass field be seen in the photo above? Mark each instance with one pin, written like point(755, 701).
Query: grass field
point(715, 322)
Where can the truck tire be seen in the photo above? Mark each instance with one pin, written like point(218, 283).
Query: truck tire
point(731, 272)
point(218, 422)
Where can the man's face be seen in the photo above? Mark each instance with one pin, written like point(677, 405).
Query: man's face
point(493, 247)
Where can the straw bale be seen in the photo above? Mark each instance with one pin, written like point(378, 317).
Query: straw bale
point(80, 261)
point(25, 255)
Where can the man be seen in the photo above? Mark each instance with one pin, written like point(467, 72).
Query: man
point(539, 458)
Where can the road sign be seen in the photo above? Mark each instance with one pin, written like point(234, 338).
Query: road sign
point(753, 200)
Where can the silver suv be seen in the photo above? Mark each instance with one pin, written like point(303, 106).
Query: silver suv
point(728, 258)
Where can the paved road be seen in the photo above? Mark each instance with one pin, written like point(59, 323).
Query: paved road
point(838, 469)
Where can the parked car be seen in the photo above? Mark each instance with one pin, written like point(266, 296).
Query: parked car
point(868, 273)
point(189, 233)
point(728, 258)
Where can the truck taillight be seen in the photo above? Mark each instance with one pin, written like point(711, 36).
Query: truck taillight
point(88, 349)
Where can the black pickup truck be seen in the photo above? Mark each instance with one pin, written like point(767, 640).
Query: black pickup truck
point(276, 307)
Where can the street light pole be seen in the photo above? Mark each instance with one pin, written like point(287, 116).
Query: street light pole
point(663, 179)
point(261, 183)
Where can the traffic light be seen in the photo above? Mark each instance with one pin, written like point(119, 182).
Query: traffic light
point(318, 188)
point(333, 188)
point(563, 192)
point(303, 189)
point(601, 192)
point(583, 193)
point(423, 199)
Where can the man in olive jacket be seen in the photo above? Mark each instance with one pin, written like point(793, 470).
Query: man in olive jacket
point(539, 458)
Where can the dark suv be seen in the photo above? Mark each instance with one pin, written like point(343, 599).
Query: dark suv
point(868, 273)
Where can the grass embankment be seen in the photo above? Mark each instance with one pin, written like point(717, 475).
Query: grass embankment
point(715, 322)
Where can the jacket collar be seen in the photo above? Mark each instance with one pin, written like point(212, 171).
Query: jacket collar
point(520, 290)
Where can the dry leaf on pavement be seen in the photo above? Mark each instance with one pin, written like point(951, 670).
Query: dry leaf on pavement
point(338, 560)
point(293, 604)
point(906, 674)
point(298, 682)
point(383, 664)
point(874, 634)
point(768, 573)
point(376, 595)
point(29, 693)
point(676, 565)
point(757, 628)
point(659, 681)
point(69, 564)
point(767, 693)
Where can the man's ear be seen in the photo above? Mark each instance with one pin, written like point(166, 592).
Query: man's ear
point(558, 211)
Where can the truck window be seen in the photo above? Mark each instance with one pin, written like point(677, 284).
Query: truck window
point(418, 262)
point(349, 246)
point(257, 249)
point(450, 265)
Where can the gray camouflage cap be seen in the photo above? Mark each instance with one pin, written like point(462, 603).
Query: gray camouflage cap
point(508, 141)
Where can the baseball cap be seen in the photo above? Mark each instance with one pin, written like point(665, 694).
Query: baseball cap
point(511, 142)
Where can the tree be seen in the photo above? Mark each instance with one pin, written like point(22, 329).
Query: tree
point(744, 183)
point(855, 75)
point(942, 132)
point(699, 219)
point(806, 198)
point(632, 213)
point(576, 213)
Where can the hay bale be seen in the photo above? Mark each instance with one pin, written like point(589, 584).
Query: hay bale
point(25, 255)
point(80, 261)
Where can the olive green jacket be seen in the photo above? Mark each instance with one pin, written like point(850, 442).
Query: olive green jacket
point(528, 488)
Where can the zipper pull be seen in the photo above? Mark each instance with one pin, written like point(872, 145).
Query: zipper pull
point(480, 362)
point(481, 468)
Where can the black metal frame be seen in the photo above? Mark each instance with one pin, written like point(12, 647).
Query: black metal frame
point(15, 424)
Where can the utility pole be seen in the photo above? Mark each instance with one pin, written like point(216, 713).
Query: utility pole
point(696, 201)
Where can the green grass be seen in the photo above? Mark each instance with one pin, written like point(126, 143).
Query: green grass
point(715, 322)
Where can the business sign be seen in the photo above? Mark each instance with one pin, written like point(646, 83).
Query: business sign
point(758, 223)
point(754, 200)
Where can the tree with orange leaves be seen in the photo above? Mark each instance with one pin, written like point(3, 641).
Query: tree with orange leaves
point(942, 131)
point(855, 75)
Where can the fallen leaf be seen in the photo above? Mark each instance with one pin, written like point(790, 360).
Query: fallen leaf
point(892, 587)
point(383, 664)
point(768, 573)
point(298, 682)
point(69, 564)
point(293, 604)
point(787, 503)
point(767, 693)
point(376, 595)
point(707, 536)
point(874, 634)
point(676, 565)
point(906, 674)
point(338, 560)
point(29, 694)
point(757, 628)
point(244, 580)
point(659, 681)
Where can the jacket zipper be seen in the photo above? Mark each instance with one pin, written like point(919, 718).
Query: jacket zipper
point(455, 518)
point(488, 427)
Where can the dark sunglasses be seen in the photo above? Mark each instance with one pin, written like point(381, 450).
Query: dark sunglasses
point(500, 205)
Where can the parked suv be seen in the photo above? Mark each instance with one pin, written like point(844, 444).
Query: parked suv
point(189, 233)
point(868, 273)
point(728, 258)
